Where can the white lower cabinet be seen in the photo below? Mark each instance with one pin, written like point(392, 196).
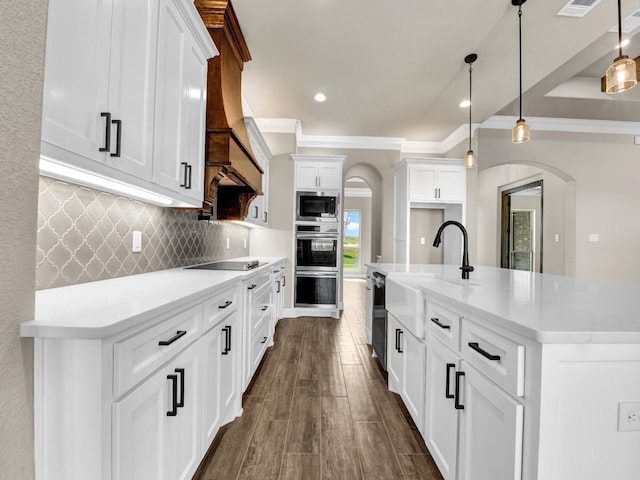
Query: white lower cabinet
point(405, 367)
point(491, 426)
point(156, 429)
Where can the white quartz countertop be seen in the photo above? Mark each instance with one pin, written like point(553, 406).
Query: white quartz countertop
point(100, 309)
point(547, 308)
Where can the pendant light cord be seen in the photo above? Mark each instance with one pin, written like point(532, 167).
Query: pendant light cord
point(470, 105)
point(619, 29)
point(520, 50)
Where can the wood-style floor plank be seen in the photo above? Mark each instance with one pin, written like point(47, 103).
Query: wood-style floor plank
point(369, 363)
point(303, 435)
point(332, 378)
point(419, 467)
point(296, 466)
point(264, 453)
point(377, 456)
point(361, 401)
point(339, 459)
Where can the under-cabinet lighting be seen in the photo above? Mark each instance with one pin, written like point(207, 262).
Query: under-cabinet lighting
point(246, 224)
point(50, 167)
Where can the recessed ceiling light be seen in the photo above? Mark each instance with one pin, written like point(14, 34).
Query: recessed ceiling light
point(465, 104)
point(319, 97)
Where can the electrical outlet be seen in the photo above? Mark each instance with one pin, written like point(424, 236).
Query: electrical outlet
point(136, 246)
point(629, 416)
point(594, 237)
point(422, 241)
point(557, 237)
point(245, 242)
point(228, 244)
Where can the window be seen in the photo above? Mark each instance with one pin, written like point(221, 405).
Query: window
point(351, 239)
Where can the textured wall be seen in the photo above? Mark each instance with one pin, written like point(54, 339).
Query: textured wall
point(22, 36)
point(86, 235)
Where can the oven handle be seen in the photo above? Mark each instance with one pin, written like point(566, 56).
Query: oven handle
point(317, 274)
point(314, 236)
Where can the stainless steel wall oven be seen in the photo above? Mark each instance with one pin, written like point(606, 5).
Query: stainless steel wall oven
point(316, 289)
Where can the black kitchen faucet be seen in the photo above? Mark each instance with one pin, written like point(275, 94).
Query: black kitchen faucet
point(466, 268)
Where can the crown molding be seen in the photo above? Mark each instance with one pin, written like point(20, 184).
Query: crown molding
point(567, 125)
point(460, 134)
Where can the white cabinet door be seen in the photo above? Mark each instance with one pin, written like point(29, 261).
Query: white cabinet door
point(306, 176)
point(213, 345)
point(394, 354)
point(330, 176)
point(230, 366)
point(441, 416)
point(422, 183)
point(413, 377)
point(451, 184)
point(156, 426)
point(490, 431)
point(76, 80)
point(132, 77)
point(180, 107)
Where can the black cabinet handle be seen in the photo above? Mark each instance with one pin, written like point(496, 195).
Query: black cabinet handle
point(264, 307)
point(188, 178)
point(278, 282)
point(107, 132)
point(118, 124)
point(255, 211)
point(400, 342)
point(180, 371)
point(441, 325)
point(265, 215)
point(226, 304)
point(184, 171)
point(264, 340)
point(397, 339)
point(284, 282)
point(456, 402)
point(484, 353)
point(228, 339)
point(252, 286)
point(447, 394)
point(179, 333)
point(174, 406)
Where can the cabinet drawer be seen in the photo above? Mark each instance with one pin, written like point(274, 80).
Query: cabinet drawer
point(260, 309)
point(137, 356)
point(219, 306)
point(259, 344)
point(499, 358)
point(444, 324)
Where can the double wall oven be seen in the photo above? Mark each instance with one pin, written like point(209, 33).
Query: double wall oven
point(317, 264)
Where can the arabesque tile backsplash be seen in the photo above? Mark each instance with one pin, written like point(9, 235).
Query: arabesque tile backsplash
point(86, 235)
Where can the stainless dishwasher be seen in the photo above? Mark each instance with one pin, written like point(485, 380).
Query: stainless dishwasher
point(379, 321)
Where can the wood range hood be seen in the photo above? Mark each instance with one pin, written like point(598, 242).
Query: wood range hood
point(232, 175)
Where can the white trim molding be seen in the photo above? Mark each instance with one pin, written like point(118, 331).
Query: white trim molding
point(573, 125)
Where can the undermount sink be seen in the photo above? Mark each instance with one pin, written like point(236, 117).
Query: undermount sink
point(457, 281)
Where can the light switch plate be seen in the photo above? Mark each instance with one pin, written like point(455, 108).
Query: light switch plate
point(136, 247)
point(594, 237)
point(629, 416)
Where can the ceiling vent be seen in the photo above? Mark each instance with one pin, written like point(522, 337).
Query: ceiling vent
point(629, 24)
point(577, 8)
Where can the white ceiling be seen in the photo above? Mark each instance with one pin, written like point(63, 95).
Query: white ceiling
point(393, 68)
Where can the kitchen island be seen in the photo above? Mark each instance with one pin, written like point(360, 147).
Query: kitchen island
point(517, 375)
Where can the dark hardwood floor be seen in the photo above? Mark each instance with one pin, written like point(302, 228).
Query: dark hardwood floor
point(319, 408)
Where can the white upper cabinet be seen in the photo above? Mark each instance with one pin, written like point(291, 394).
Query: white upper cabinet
point(436, 183)
point(120, 77)
point(258, 213)
point(181, 106)
point(318, 172)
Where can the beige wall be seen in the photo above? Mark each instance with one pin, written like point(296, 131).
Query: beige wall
point(600, 174)
point(22, 36)
point(424, 224)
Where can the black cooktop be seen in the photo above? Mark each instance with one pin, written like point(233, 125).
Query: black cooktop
point(228, 265)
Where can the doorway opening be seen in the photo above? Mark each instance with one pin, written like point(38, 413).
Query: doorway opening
point(351, 243)
point(521, 230)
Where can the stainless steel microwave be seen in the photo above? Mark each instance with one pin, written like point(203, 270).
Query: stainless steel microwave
point(317, 206)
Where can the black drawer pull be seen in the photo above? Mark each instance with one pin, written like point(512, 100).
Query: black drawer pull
point(179, 333)
point(447, 394)
point(264, 340)
point(400, 342)
point(180, 371)
point(264, 307)
point(397, 339)
point(456, 402)
point(252, 286)
point(226, 304)
point(174, 406)
point(484, 353)
point(107, 132)
point(441, 325)
point(118, 124)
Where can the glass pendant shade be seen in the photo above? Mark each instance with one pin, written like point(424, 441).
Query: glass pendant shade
point(520, 131)
point(470, 160)
point(621, 75)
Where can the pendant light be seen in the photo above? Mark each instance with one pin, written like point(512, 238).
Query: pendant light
point(470, 157)
point(621, 74)
point(520, 131)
